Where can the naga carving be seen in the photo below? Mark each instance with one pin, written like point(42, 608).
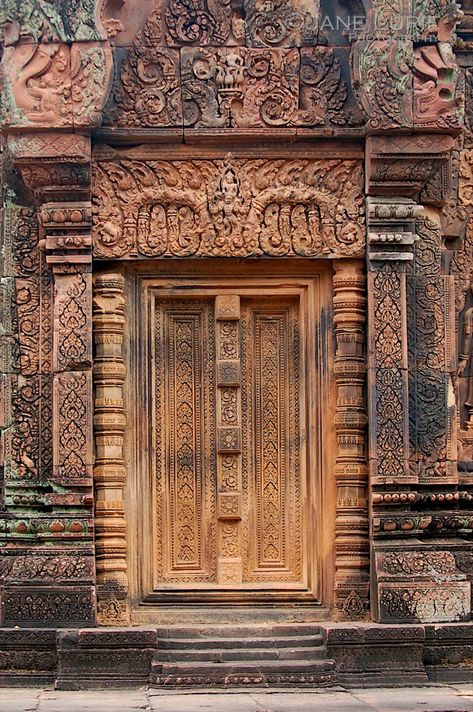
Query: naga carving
point(55, 85)
point(228, 207)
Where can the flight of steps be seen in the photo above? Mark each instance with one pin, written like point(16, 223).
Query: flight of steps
point(233, 655)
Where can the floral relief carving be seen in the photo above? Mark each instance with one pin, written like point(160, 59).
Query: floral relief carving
point(206, 22)
point(325, 94)
point(228, 208)
point(148, 92)
point(73, 344)
point(236, 87)
point(419, 564)
point(282, 23)
point(73, 426)
point(425, 603)
point(46, 567)
point(50, 605)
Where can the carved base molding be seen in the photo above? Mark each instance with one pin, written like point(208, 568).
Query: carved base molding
point(363, 653)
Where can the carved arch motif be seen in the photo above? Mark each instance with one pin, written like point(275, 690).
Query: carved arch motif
point(237, 208)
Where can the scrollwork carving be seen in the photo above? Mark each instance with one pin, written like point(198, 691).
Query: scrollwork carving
point(239, 87)
point(281, 23)
point(207, 22)
point(228, 208)
point(148, 93)
point(425, 603)
point(382, 72)
point(49, 605)
point(73, 429)
point(325, 92)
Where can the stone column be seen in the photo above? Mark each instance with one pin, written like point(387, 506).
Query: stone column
point(351, 470)
point(109, 427)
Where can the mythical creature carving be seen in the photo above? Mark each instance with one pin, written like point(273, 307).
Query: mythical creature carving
point(55, 84)
point(236, 87)
point(381, 70)
point(228, 208)
point(435, 81)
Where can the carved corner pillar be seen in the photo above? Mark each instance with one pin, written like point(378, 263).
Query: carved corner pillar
point(391, 237)
point(351, 470)
point(53, 581)
point(109, 427)
point(412, 417)
point(66, 227)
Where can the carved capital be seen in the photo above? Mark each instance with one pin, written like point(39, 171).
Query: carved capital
point(415, 167)
point(391, 229)
point(53, 165)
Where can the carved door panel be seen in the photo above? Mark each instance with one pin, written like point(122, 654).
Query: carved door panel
point(228, 441)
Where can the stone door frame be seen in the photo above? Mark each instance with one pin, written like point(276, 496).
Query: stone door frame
point(110, 328)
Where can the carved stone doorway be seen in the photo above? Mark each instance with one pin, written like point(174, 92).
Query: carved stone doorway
point(227, 454)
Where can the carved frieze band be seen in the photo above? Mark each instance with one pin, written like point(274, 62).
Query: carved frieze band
point(351, 470)
point(228, 208)
point(109, 470)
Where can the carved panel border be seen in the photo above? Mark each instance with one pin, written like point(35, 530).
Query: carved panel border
point(140, 582)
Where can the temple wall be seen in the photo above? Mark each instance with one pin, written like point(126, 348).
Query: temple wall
point(236, 132)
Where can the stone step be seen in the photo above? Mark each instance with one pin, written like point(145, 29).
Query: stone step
point(239, 631)
point(263, 672)
point(303, 641)
point(227, 654)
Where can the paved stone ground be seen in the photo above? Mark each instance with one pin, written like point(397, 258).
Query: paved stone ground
point(452, 698)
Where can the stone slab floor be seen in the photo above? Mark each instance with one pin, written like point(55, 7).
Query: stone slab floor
point(441, 698)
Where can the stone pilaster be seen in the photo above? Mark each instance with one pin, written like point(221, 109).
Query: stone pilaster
point(412, 417)
point(48, 558)
point(109, 427)
point(351, 471)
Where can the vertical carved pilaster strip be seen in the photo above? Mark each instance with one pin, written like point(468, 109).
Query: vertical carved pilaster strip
point(391, 239)
point(432, 360)
point(109, 471)
point(351, 470)
point(229, 505)
point(389, 416)
point(66, 226)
